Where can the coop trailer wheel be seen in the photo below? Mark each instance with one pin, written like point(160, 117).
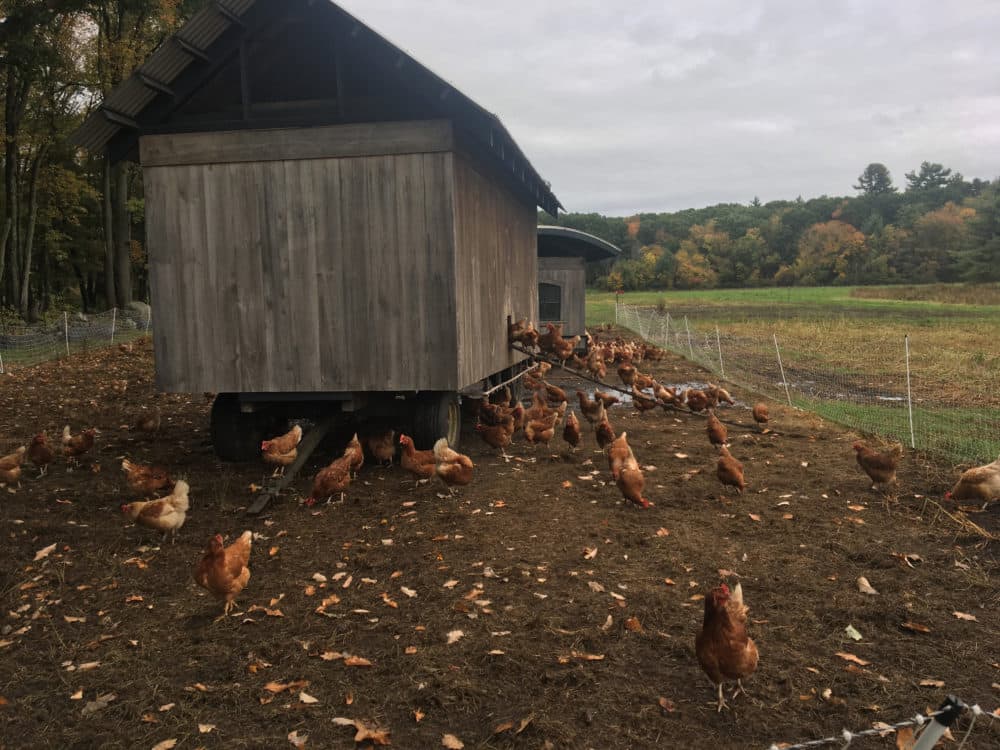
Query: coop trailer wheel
point(437, 416)
point(236, 436)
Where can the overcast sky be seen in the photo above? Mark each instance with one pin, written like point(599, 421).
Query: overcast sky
point(659, 105)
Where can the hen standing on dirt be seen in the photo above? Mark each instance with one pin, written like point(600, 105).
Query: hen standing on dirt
point(880, 467)
point(724, 649)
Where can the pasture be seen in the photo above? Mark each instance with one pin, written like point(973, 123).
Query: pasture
point(533, 609)
point(845, 346)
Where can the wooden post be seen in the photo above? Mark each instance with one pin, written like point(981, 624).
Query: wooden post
point(781, 367)
point(718, 342)
point(909, 395)
point(66, 330)
point(114, 319)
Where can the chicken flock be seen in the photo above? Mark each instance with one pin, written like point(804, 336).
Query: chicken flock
point(723, 647)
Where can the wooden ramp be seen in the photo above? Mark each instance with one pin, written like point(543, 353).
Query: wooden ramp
point(306, 447)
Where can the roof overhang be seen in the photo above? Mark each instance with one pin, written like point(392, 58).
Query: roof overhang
point(563, 242)
point(186, 60)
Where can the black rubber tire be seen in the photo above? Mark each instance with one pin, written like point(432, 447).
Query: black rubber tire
point(436, 416)
point(236, 436)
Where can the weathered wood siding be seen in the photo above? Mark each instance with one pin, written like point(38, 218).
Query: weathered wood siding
point(570, 275)
point(311, 273)
point(496, 246)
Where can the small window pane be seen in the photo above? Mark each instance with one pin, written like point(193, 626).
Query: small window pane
point(549, 302)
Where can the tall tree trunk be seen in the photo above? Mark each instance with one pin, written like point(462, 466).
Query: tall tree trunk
point(29, 232)
point(122, 236)
point(3, 251)
point(109, 246)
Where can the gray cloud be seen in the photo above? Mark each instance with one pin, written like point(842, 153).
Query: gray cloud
point(653, 106)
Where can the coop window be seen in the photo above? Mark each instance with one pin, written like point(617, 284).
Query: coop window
point(549, 302)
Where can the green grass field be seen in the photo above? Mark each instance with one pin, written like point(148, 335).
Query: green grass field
point(853, 346)
point(835, 300)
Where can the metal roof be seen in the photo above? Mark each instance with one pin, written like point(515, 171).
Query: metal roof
point(128, 108)
point(563, 242)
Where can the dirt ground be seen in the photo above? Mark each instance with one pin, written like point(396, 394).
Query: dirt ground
point(534, 570)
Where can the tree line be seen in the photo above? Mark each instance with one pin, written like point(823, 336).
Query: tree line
point(71, 224)
point(940, 228)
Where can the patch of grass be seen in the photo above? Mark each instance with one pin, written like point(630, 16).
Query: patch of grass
point(958, 434)
point(952, 294)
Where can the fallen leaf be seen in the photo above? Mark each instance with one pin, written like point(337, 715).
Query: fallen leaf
point(964, 616)
point(916, 627)
point(418, 715)
point(669, 582)
point(662, 531)
point(165, 745)
point(166, 707)
point(852, 658)
point(304, 697)
point(450, 584)
point(589, 553)
point(852, 633)
point(133, 598)
point(595, 586)
point(409, 592)
point(99, 703)
point(455, 635)
point(69, 618)
point(932, 683)
point(206, 728)
point(864, 587)
point(410, 650)
point(280, 687)
point(45, 552)
point(567, 484)
point(680, 455)
point(149, 719)
point(666, 704)
point(753, 516)
point(356, 661)
point(319, 577)
point(633, 624)
point(76, 696)
point(299, 740)
point(452, 742)
point(88, 666)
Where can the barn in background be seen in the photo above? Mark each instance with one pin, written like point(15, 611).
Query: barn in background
point(562, 255)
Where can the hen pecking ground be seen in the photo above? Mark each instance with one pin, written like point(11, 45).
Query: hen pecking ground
point(532, 608)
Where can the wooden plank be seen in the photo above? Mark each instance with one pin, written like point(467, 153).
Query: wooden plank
point(285, 144)
point(306, 446)
point(496, 261)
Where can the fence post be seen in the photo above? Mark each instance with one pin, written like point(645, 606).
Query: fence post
point(1, 363)
point(909, 395)
point(149, 316)
point(718, 342)
point(781, 367)
point(690, 348)
point(114, 319)
point(666, 332)
point(66, 330)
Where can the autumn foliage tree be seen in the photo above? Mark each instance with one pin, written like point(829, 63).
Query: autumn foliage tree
point(833, 252)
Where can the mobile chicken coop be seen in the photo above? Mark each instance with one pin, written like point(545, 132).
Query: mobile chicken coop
point(331, 227)
point(562, 275)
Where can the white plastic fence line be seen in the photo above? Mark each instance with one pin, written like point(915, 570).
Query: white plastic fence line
point(871, 399)
point(36, 343)
point(933, 728)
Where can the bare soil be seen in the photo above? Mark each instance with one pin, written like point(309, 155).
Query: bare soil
point(538, 564)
